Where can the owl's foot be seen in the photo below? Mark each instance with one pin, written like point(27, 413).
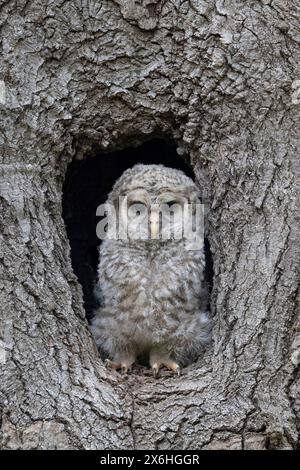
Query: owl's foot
point(155, 369)
point(112, 365)
point(156, 363)
point(123, 365)
point(172, 365)
point(125, 368)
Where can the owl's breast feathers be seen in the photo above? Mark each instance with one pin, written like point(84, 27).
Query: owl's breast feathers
point(151, 290)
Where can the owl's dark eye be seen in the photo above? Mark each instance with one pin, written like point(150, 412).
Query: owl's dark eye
point(171, 203)
point(136, 208)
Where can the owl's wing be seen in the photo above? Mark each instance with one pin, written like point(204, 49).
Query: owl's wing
point(98, 296)
point(98, 304)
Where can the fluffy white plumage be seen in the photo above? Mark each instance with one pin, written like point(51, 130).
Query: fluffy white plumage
point(152, 290)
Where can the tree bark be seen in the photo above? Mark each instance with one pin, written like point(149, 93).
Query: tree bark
point(220, 78)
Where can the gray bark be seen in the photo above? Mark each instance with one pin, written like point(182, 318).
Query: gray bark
point(220, 78)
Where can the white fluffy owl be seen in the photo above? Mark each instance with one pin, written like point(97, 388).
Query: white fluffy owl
point(151, 272)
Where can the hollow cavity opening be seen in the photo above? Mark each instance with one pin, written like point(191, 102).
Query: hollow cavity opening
point(87, 185)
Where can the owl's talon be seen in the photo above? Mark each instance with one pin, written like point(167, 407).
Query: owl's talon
point(124, 369)
point(171, 365)
point(158, 360)
point(123, 365)
point(111, 364)
point(155, 370)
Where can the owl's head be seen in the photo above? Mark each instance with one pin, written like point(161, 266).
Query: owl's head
point(154, 203)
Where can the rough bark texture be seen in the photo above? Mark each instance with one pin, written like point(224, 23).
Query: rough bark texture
point(221, 79)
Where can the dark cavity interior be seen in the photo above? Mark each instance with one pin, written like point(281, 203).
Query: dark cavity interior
point(87, 185)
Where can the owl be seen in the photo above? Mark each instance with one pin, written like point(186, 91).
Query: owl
point(151, 273)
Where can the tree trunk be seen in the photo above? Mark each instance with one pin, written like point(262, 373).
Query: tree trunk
point(220, 79)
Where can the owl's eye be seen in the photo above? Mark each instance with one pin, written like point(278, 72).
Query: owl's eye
point(171, 203)
point(171, 206)
point(137, 208)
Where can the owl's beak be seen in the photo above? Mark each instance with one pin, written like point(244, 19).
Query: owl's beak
point(154, 224)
